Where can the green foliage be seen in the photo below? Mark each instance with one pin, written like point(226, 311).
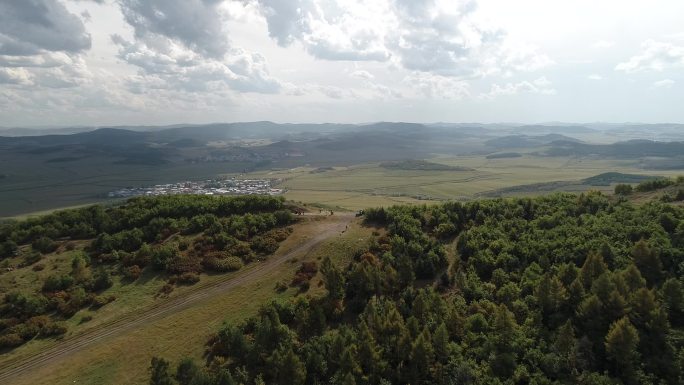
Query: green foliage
point(553, 290)
point(159, 372)
point(656, 184)
point(227, 232)
point(623, 189)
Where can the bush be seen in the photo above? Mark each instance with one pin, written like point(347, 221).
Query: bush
point(623, 189)
point(188, 278)
point(8, 249)
point(57, 282)
point(655, 184)
point(166, 289)
point(162, 256)
point(183, 264)
point(280, 286)
point(304, 274)
point(132, 272)
point(44, 245)
point(223, 264)
point(38, 267)
point(102, 280)
point(11, 340)
point(99, 301)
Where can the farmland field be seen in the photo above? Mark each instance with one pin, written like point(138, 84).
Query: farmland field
point(365, 185)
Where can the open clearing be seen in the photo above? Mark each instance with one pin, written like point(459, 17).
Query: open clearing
point(119, 351)
point(368, 185)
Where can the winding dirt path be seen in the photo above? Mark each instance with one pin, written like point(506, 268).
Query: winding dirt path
point(15, 368)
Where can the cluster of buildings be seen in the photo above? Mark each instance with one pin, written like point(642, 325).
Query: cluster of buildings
point(208, 187)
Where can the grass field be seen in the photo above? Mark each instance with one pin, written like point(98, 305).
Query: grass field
point(368, 185)
point(124, 359)
point(350, 187)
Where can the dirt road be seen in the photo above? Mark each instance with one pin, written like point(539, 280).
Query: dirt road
point(21, 365)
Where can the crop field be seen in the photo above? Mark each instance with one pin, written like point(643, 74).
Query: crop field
point(367, 185)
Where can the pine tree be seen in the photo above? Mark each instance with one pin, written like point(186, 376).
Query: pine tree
point(422, 357)
point(673, 298)
point(440, 342)
point(633, 277)
point(592, 268)
point(370, 355)
point(504, 342)
point(333, 280)
point(648, 262)
point(621, 343)
point(289, 368)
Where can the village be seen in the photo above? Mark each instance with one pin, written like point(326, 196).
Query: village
point(230, 186)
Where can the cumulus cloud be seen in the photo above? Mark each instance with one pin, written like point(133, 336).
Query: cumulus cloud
point(328, 29)
point(435, 36)
point(655, 56)
point(196, 23)
point(539, 86)
point(35, 26)
point(14, 76)
point(361, 74)
point(438, 86)
point(41, 44)
point(182, 44)
point(665, 83)
point(175, 67)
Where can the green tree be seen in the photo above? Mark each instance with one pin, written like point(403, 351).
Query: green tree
point(623, 189)
point(186, 370)
point(592, 268)
point(159, 372)
point(648, 262)
point(289, 368)
point(333, 280)
point(621, 347)
point(673, 298)
point(422, 357)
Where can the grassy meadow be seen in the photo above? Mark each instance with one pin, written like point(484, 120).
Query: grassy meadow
point(367, 185)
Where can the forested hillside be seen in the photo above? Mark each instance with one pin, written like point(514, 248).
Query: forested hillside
point(72, 257)
point(563, 289)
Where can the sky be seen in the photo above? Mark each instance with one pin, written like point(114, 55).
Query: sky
point(157, 62)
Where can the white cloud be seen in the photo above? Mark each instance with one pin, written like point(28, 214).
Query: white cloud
point(665, 83)
point(436, 36)
point(42, 45)
point(361, 74)
point(539, 86)
point(15, 76)
point(655, 56)
point(437, 86)
point(198, 24)
point(182, 45)
point(173, 66)
point(595, 77)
